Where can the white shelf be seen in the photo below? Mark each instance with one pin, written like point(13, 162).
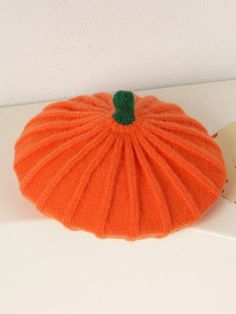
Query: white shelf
point(47, 269)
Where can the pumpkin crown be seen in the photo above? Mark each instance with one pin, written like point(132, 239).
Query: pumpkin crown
point(81, 167)
point(124, 107)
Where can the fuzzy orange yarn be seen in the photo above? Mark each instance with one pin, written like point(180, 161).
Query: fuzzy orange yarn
point(155, 175)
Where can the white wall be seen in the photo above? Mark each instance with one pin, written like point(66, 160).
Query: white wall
point(59, 48)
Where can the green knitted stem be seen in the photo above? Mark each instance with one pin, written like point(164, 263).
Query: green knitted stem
point(124, 107)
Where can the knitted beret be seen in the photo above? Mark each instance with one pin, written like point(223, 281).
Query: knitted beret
point(122, 166)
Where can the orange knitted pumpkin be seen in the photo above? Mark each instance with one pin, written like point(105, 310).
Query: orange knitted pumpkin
point(125, 166)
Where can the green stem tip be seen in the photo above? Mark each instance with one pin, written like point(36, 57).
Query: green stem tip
point(124, 107)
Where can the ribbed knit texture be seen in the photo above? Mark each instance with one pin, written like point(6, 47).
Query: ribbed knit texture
point(145, 179)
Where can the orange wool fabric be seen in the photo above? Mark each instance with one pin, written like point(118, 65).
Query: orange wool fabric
point(146, 179)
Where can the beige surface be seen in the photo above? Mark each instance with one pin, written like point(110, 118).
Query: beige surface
point(226, 138)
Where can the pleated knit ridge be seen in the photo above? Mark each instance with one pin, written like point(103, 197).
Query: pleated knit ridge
point(132, 175)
